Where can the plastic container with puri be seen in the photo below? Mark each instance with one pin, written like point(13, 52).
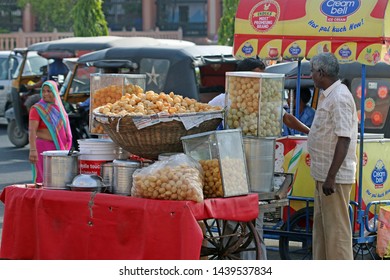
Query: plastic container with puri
point(109, 88)
point(254, 103)
point(222, 157)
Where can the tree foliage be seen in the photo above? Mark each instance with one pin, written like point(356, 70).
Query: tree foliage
point(89, 19)
point(226, 26)
point(51, 14)
point(84, 17)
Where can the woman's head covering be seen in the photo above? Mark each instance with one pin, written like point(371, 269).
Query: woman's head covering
point(58, 101)
point(55, 117)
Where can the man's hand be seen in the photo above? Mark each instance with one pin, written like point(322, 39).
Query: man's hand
point(340, 153)
point(329, 186)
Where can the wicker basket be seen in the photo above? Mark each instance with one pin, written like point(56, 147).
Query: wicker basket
point(162, 137)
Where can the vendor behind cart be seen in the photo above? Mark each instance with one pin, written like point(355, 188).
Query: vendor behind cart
point(306, 112)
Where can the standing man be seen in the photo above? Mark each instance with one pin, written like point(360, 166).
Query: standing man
point(332, 148)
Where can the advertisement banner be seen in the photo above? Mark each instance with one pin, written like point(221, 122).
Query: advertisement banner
point(354, 30)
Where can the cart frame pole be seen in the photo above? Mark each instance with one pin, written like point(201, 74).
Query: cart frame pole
point(298, 91)
point(360, 186)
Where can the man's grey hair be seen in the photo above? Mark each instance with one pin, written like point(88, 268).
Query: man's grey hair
point(327, 63)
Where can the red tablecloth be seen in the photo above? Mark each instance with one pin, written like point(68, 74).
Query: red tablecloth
point(56, 224)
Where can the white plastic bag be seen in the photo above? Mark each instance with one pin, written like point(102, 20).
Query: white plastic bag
point(179, 177)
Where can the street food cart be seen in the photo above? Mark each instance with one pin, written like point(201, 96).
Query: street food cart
point(88, 224)
point(296, 30)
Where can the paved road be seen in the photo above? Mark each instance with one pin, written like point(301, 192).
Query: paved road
point(14, 165)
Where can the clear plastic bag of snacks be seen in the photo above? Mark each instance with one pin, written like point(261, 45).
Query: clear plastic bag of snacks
point(179, 177)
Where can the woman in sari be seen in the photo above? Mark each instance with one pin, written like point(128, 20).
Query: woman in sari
point(49, 128)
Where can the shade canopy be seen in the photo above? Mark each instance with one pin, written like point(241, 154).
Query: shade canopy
point(76, 46)
point(354, 30)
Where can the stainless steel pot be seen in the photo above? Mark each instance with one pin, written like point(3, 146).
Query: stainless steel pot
point(59, 169)
point(123, 176)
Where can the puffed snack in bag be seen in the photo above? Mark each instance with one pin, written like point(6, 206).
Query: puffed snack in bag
point(178, 177)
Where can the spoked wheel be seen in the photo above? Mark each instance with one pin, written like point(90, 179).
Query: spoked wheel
point(297, 243)
point(365, 251)
point(230, 240)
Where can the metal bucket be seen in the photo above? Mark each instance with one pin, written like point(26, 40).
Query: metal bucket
point(123, 176)
point(59, 169)
point(260, 159)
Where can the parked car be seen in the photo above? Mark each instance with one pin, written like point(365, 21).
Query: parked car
point(26, 72)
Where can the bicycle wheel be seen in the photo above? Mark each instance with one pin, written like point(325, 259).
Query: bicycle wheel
point(228, 240)
point(296, 246)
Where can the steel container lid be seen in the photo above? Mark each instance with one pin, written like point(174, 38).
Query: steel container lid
point(59, 153)
point(108, 164)
point(126, 163)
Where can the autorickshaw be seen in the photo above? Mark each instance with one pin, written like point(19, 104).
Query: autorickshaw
point(17, 116)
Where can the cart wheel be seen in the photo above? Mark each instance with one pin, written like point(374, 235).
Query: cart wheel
point(293, 245)
point(365, 251)
point(229, 240)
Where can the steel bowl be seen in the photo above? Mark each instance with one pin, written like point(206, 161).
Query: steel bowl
point(87, 183)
